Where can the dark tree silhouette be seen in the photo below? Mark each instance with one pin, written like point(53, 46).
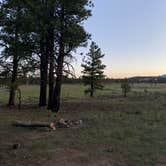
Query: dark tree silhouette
point(15, 39)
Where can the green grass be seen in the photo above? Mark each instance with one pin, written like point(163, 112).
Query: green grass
point(75, 92)
point(118, 131)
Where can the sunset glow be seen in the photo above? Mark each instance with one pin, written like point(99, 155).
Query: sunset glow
point(132, 34)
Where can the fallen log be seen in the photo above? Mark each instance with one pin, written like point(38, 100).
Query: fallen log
point(61, 123)
point(35, 124)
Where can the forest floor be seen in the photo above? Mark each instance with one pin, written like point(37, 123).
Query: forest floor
point(116, 131)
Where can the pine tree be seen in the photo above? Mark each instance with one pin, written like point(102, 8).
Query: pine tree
point(43, 18)
point(15, 39)
point(56, 28)
point(70, 35)
point(93, 70)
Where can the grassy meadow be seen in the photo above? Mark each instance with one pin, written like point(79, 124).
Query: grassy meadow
point(116, 131)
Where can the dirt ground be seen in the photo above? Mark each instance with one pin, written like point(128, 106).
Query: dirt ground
point(115, 132)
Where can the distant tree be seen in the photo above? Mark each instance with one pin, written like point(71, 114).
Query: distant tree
point(125, 87)
point(93, 69)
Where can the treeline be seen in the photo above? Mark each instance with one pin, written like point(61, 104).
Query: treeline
point(41, 36)
point(65, 80)
point(36, 81)
point(154, 80)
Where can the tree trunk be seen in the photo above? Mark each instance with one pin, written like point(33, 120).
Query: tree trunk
point(92, 85)
point(51, 69)
point(91, 92)
point(15, 70)
point(59, 73)
point(43, 74)
point(13, 81)
point(59, 69)
point(57, 89)
point(51, 84)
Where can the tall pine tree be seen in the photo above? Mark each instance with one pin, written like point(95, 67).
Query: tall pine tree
point(93, 70)
point(15, 39)
point(70, 35)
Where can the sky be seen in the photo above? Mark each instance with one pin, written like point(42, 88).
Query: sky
point(131, 34)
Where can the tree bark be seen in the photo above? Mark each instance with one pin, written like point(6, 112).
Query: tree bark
point(59, 69)
point(51, 60)
point(59, 73)
point(13, 81)
point(51, 69)
point(43, 74)
point(57, 89)
point(15, 70)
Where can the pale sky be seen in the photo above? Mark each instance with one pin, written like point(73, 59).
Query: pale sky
point(132, 34)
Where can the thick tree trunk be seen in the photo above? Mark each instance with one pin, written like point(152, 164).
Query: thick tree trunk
point(57, 89)
point(59, 73)
point(43, 74)
point(13, 81)
point(59, 68)
point(15, 71)
point(51, 84)
point(51, 69)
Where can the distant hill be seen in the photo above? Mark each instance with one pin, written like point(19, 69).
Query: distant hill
point(161, 78)
point(142, 78)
